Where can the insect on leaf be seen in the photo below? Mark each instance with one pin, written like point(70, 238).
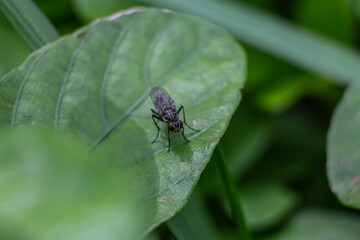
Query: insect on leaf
point(96, 83)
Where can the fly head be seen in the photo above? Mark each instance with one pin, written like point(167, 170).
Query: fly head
point(175, 126)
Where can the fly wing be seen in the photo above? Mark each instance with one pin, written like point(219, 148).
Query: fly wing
point(161, 99)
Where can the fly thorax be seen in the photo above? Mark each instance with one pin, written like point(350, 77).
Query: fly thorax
point(170, 115)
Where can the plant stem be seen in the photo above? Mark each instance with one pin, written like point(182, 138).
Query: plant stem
point(233, 195)
point(29, 22)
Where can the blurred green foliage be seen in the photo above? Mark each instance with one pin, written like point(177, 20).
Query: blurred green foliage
point(52, 188)
point(275, 143)
point(320, 225)
point(13, 50)
point(333, 19)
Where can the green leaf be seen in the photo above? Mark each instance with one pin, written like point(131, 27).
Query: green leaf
point(266, 203)
point(51, 188)
point(320, 225)
point(285, 92)
point(30, 23)
point(96, 84)
point(343, 166)
point(193, 221)
point(89, 10)
point(275, 36)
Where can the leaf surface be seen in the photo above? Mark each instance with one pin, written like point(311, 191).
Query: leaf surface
point(96, 83)
point(267, 204)
point(343, 151)
point(88, 10)
point(320, 225)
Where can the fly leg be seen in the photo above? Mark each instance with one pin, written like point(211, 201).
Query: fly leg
point(169, 140)
point(184, 135)
point(158, 129)
point(154, 112)
point(182, 108)
point(157, 116)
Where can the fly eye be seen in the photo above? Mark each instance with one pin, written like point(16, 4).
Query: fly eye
point(171, 127)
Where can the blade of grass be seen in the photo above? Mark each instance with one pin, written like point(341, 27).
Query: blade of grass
point(275, 36)
point(233, 196)
point(193, 222)
point(29, 22)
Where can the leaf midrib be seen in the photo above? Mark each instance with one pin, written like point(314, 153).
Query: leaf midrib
point(110, 129)
point(143, 97)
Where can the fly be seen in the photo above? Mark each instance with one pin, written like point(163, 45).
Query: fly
point(167, 113)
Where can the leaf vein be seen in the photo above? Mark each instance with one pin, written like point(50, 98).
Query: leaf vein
point(150, 52)
point(22, 85)
point(67, 75)
point(106, 76)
